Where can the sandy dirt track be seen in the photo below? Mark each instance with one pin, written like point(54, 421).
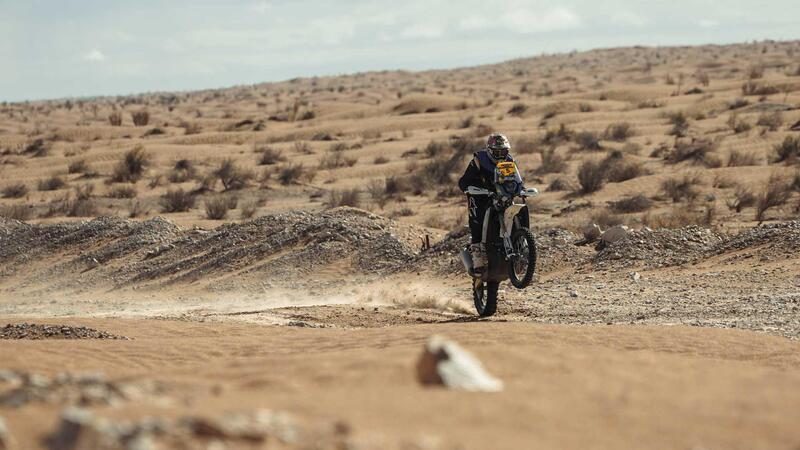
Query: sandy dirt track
point(566, 386)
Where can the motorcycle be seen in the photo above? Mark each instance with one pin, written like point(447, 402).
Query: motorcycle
point(510, 246)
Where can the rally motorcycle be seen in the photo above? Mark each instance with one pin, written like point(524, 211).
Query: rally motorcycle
point(509, 243)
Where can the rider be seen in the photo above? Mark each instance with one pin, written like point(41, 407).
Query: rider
point(480, 173)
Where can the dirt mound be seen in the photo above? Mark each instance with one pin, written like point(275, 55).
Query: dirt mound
point(287, 248)
point(37, 331)
point(778, 240)
point(659, 248)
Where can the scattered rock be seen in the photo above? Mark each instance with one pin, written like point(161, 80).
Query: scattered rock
point(445, 363)
point(614, 234)
point(39, 331)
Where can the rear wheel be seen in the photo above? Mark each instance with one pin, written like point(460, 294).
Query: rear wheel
point(485, 295)
point(523, 264)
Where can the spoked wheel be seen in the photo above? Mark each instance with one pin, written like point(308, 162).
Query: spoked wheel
point(523, 264)
point(485, 295)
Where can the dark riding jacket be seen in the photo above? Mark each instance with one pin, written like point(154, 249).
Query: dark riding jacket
point(480, 171)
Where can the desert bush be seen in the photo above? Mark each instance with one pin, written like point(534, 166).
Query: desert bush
point(466, 122)
point(290, 174)
point(17, 190)
point(633, 204)
point(555, 137)
point(775, 193)
point(525, 146)
point(303, 147)
point(619, 132)
point(738, 103)
point(217, 207)
point(738, 125)
point(680, 124)
point(37, 149)
point(680, 217)
point(588, 140)
point(177, 200)
point(560, 184)
point(132, 166)
point(683, 188)
point(552, 162)
point(722, 182)
point(78, 166)
point(16, 212)
point(518, 109)
point(248, 209)
point(606, 219)
point(618, 169)
point(122, 192)
point(585, 108)
point(346, 197)
point(115, 119)
point(335, 160)
point(380, 160)
point(190, 127)
point(772, 121)
point(82, 204)
point(590, 176)
point(308, 115)
point(742, 198)
point(403, 212)
point(697, 151)
point(140, 118)
point(738, 159)
point(755, 72)
point(268, 156)
point(182, 171)
point(752, 88)
point(788, 150)
point(53, 183)
point(394, 186)
point(435, 148)
point(232, 176)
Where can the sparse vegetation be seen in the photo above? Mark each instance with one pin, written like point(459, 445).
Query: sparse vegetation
point(680, 124)
point(742, 198)
point(738, 159)
point(52, 183)
point(775, 193)
point(132, 166)
point(232, 176)
point(17, 190)
point(788, 150)
point(588, 140)
point(634, 204)
point(590, 176)
point(140, 118)
point(346, 197)
point(771, 121)
point(78, 166)
point(552, 162)
point(16, 212)
point(115, 119)
point(268, 156)
point(217, 207)
point(177, 200)
point(619, 132)
point(683, 188)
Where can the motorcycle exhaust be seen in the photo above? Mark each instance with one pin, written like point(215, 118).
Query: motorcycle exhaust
point(466, 259)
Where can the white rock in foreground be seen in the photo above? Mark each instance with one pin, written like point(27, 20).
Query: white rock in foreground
point(445, 363)
point(5, 439)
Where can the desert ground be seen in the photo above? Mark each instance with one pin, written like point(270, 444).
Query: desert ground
point(262, 266)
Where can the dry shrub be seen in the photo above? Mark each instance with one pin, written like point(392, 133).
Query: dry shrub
point(525, 146)
point(680, 217)
point(775, 193)
point(558, 136)
point(132, 167)
point(182, 171)
point(738, 159)
point(606, 219)
point(552, 162)
point(738, 103)
point(336, 159)
point(683, 188)
point(78, 166)
point(37, 149)
point(698, 152)
point(248, 209)
point(591, 176)
point(217, 207)
point(722, 182)
point(518, 109)
point(346, 197)
point(190, 127)
point(177, 200)
point(303, 148)
point(742, 198)
point(290, 174)
point(17, 190)
point(16, 212)
point(588, 140)
point(140, 118)
point(680, 124)
point(122, 192)
point(380, 160)
point(619, 132)
point(232, 176)
point(633, 204)
point(53, 183)
point(269, 156)
point(560, 184)
point(771, 121)
point(617, 168)
point(738, 125)
point(435, 148)
point(82, 204)
point(115, 119)
point(758, 89)
point(788, 150)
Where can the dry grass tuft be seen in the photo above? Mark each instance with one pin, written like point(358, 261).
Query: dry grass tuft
point(177, 200)
point(132, 167)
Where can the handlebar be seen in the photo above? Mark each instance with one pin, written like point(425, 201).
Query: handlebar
point(473, 190)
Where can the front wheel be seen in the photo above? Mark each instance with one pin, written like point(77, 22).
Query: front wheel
point(523, 263)
point(485, 295)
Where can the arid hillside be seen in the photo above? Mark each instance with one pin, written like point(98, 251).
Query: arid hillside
point(663, 137)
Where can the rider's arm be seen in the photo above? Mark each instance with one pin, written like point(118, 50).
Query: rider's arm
point(471, 177)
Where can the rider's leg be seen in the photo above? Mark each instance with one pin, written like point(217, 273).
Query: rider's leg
point(477, 208)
